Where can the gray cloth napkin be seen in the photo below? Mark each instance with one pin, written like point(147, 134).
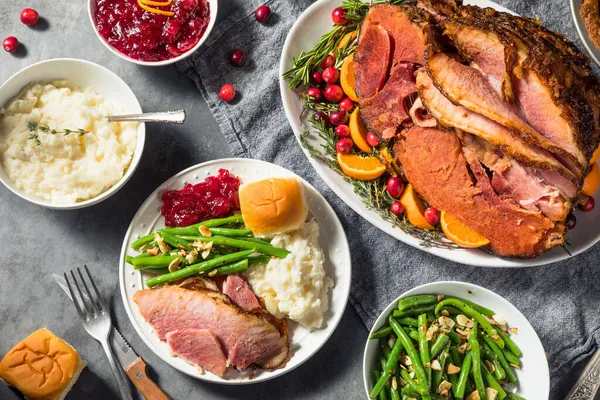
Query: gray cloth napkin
point(561, 300)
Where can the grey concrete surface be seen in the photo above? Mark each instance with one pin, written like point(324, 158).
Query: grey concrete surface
point(38, 242)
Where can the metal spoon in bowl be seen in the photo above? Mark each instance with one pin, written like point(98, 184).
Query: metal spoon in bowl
point(169, 117)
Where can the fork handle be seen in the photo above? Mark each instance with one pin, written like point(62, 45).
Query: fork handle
point(121, 382)
point(137, 373)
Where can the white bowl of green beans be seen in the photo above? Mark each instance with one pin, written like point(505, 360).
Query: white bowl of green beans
point(446, 340)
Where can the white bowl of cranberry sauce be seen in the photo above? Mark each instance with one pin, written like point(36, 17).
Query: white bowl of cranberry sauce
point(152, 32)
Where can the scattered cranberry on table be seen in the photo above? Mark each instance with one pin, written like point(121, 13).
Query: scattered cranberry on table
point(338, 118)
point(10, 44)
point(344, 145)
point(397, 208)
point(262, 14)
point(334, 93)
point(327, 62)
point(342, 131)
point(432, 216)
point(29, 16)
point(338, 17)
point(330, 75)
point(321, 116)
point(316, 77)
point(314, 94)
point(237, 58)
point(227, 92)
point(394, 186)
point(588, 205)
point(571, 221)
point(346, 104)
point(372, 139)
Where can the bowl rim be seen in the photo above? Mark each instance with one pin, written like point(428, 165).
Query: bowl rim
point(383, 315)
point(213, 5)
point(135, 160)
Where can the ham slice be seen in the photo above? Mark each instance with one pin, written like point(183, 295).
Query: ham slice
point(198, 347)
point(373, 56)
point(240, 293)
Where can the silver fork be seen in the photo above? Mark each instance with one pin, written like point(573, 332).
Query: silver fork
point(96, 321)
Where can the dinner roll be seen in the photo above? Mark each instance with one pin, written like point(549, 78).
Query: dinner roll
point(42, 366)
point(273, 206)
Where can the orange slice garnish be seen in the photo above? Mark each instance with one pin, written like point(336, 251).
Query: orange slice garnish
point(154, 10)
point(347, 77)
point(592, 181)
point(156, 3)
point(461, 234)
point(414, 208)
point(346, 39)
point(595, 156)
point(358, 131)
point(360, 168)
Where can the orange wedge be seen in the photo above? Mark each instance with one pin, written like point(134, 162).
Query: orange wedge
point(414, 208)
point(361, 168)
point(595, 156)
point(347, 38)
point(592, 180)
point(358, 131)
point(347, 77)
point(461, 234)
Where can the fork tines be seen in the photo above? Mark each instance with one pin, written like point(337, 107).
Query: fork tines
point(89, 304)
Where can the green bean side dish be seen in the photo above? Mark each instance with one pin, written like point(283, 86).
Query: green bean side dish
point(441, 347)
point(214, 247)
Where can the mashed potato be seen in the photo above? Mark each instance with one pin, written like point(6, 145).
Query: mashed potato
point(64, 169)
point(295, 287)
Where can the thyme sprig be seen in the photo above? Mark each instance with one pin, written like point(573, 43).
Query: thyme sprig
point(36, 127)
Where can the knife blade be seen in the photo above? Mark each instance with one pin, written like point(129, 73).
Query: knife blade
point(133, 365)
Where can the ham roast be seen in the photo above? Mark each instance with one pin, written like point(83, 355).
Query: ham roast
point(517, 110)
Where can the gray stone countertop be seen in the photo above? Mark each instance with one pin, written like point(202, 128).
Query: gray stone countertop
point(38, 242)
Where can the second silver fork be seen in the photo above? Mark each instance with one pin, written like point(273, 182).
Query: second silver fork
point(96, 320)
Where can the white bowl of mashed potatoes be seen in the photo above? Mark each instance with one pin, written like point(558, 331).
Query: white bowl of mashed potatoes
point(57, 148)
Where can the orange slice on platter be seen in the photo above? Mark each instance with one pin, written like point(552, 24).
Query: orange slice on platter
point(414, 208)
point(595, 156)
point(347, 78)
point(461, 234)
point(347, 38)
point(592, 181)
point(358, 131)
point(360, 168)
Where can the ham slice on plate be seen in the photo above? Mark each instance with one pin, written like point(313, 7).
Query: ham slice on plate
point(198, 347)
point(240, 293)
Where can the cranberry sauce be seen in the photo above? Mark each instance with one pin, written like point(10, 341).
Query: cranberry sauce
point(216, 197)
point(147, 36)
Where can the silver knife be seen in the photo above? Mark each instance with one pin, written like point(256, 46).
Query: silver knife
point(133, 365)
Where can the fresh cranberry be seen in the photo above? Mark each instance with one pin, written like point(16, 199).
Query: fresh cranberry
point(344, 145)
point(432, 215)
point(10, 44)
point(321, 116)
point(333, 93)
point(338, 117)
point(327, 62)
point(346, 104)
point(262, 14)
point(587, 205)
point(330, 75)
point(397, 208)
point(372, 139)
point(316, 77)
point(237, 58)
point(338, 17)
point(314, 94)
point(227, 92)
point(29, 16)
point(571, 221)
point(394, 186)
point(171, 31)
point(342, 131)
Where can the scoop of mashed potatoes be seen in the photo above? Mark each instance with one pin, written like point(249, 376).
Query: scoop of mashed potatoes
point(296, 286)
point(64, 169)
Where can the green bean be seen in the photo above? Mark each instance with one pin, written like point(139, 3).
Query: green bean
point(455, 360)
point(410, 393)
point(480, 309)
point(414, 335)
point(194, 229)
point(451, 310)
point(412, 354)
point(436, 378)
point(233, 268)
point(476, 362)
point(414, 311)
point(408, 321)
point(149, 238)
point(230, 232)
point(491, 382)
point(262, 259)
point(416, 301)
point(198, 268)
point(175, 241)
point(424, 346)
point(143, 255)
point(511, 358)
point(257, 240)
point(507, 368)
point(385, 348)
point(381, 333)
point(510, 345)
point(390, 365)
point(459, 393)
point(439, 344)
point(410, 383)
point(456, 339)
point(471, 312)
point(164, 270)
point(153, 262)
point(395, 394)
point(240, 244)
point(129, 260)
point(514, 396)
point(489, 355)
point(382, 394)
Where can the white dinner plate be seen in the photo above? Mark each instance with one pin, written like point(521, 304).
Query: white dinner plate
point(332, 239)
point(533, 377)
point(593, 51)
point(318, 18)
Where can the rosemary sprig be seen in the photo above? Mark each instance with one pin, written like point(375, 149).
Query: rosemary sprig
point(356, 10)
point(35, 127)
